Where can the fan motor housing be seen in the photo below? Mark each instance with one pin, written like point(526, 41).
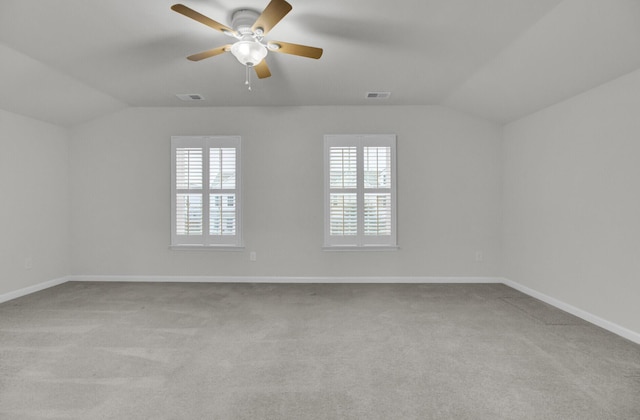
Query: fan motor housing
point(243, 19)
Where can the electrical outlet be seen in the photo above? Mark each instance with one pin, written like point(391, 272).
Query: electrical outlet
point(253, 256)
point(28, 263)
point(479, 256)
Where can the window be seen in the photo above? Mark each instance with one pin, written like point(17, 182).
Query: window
point(205, 191)
point(360, 191)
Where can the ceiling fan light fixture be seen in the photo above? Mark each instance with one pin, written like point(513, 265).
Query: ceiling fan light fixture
point(249, 52)
point(248, 27)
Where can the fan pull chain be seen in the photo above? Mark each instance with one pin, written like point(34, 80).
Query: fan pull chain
point(247, 78)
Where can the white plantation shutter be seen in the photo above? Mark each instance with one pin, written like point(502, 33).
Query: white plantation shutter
point(222, 161)
point(222, 185)
point(189, 168)
point(343, 203)
point(188, 172)
point(377, 190)
point(343, 167)
point(360, 191)
point(343, 214)
point(189, 214)
point(377, 167)
point(377, 214)
point(205, 193)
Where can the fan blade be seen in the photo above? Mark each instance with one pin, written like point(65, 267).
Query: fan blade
point(209, 53)
point(271, 15)
point(295, 49)
point(262, 70)
point(184, 10)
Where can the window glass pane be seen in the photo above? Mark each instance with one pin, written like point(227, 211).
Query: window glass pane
point(343, 215)
point(222, 164)
point(377, 214)
point(189, 214)
point(377, 167)
point(342, 167)
point(222, 214)
point(189, 168)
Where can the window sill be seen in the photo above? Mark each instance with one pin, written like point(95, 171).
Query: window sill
point(206, 248)
point(355, 248)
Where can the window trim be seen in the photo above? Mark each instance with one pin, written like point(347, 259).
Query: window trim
point(360, 242)
point(207, 241)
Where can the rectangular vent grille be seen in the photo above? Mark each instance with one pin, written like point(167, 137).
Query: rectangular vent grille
point(190, 96)
point(378, 95)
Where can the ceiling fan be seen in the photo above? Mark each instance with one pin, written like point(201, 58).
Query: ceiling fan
point(249, 28)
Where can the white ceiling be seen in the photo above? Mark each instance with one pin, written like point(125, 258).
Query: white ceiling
point(68, 61)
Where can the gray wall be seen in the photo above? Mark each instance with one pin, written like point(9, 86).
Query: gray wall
point(449, 181)
point(562, 213)
point(572, 201)
point(34, 210)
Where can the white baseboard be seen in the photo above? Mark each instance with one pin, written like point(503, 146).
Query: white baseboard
point(587, 316)
point(32, 289)
point(283, 279)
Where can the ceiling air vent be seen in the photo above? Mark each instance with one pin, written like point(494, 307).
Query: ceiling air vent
point(190, 96)
point(378, 95)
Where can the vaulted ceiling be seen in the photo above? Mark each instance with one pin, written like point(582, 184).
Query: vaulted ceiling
point(69, 61)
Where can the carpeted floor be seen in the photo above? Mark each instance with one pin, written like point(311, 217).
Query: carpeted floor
point(314, 351)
